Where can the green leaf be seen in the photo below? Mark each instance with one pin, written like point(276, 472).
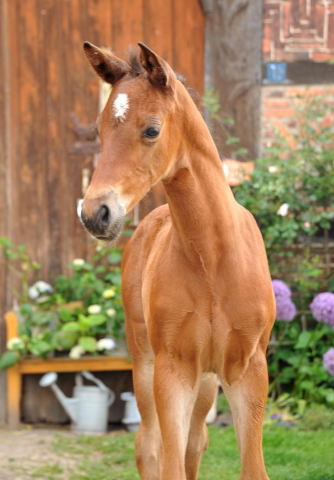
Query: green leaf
point(115, 256)
point(96, 319)
point(232, 140)
point(303, 340)
point(88, 343)
point(71, 327)
point(8, 359)
point(66, 315)
point(40, 348)
point(65, 340)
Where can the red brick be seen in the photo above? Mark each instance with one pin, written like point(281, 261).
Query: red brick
point(277, 103)
point(322, 56)
point(279, 113)
point(330, 42)
point(266, 45)
point(268, 92)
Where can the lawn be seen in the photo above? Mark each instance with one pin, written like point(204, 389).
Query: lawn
point(290, 454)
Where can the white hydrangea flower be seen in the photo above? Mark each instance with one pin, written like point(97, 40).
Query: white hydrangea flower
point(109, 293)
point(111, 312)
point(76, 351)
point(78, 262)
point(92, 309)
point(273, 169)
point(38, 288)
point(283, 210)
point(106, 344)
point(15, 343)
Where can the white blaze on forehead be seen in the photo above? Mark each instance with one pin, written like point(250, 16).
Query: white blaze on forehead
point(121, 106)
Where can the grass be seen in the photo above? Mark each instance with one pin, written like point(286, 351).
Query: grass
point(293, 453)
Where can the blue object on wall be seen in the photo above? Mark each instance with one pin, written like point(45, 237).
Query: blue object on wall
point(276, 72)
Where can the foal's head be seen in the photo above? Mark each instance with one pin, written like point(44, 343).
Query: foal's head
point(139, 130)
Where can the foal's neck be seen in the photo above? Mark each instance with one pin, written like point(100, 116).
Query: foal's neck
point(201, 202)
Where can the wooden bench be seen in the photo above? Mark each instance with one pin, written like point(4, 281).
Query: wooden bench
point(56, 364)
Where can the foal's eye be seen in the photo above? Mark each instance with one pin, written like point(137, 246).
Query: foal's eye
point(151, 132)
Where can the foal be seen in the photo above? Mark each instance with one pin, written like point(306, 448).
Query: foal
point(196, 287)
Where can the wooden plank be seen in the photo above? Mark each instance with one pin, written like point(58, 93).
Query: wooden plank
point(188, 42)
point(127, 24)
point(31, 122)
point(55, 126)
point(82, 100)
point(99, 22)
point(158, 25)
point(3, 177)
point(38, 365)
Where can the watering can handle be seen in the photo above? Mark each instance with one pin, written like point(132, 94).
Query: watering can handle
point(78, 380)
point(90, 376)
point(111, 398)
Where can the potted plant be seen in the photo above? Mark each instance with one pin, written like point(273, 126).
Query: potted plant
point(78, 314)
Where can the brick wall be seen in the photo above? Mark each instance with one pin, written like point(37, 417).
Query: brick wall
point(298, 30)
point(279, 104)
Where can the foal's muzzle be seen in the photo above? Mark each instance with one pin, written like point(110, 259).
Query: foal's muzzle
point(102, 217)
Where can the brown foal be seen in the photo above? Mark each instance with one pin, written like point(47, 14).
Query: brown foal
point(196, 287)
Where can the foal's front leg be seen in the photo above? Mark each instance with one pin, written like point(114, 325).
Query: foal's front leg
point(247, 398)
point(175, 391)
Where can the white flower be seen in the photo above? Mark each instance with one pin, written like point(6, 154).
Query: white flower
point(273, 169)
point(15, 343)
point(106, 344)
point(307, 224)
point(94, 309)
point(111, 312)
point(38, 288)
point(78, 262)
point(76, 351)
point(109, 293)
point(283, 210)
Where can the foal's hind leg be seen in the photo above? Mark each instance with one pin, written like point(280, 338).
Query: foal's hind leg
point(198, 434)
point(247, 398)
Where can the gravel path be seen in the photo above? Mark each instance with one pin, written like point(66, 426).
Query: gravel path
point(22, 450)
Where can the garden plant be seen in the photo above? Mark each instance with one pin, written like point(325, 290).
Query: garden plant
point(80, 313)
point(291, 195)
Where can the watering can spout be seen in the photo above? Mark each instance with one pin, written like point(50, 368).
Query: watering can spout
point(69, 404)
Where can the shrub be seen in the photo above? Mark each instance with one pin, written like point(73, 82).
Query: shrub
point(290, 194)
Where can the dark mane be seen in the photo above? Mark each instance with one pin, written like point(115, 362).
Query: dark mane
point(134, 62)
point(137, 69)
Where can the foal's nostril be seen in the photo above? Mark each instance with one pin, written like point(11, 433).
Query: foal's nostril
point(104, 215)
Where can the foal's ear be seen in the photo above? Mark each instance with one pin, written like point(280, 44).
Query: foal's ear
point(158, 71)
point(109, 67)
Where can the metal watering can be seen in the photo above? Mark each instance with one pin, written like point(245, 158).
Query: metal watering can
point(89, 406)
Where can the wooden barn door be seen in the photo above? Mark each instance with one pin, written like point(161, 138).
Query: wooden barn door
point(45, 79)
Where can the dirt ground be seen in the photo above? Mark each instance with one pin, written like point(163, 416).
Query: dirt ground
point(27, 448)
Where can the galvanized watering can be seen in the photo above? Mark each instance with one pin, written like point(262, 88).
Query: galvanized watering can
point(89, 406)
